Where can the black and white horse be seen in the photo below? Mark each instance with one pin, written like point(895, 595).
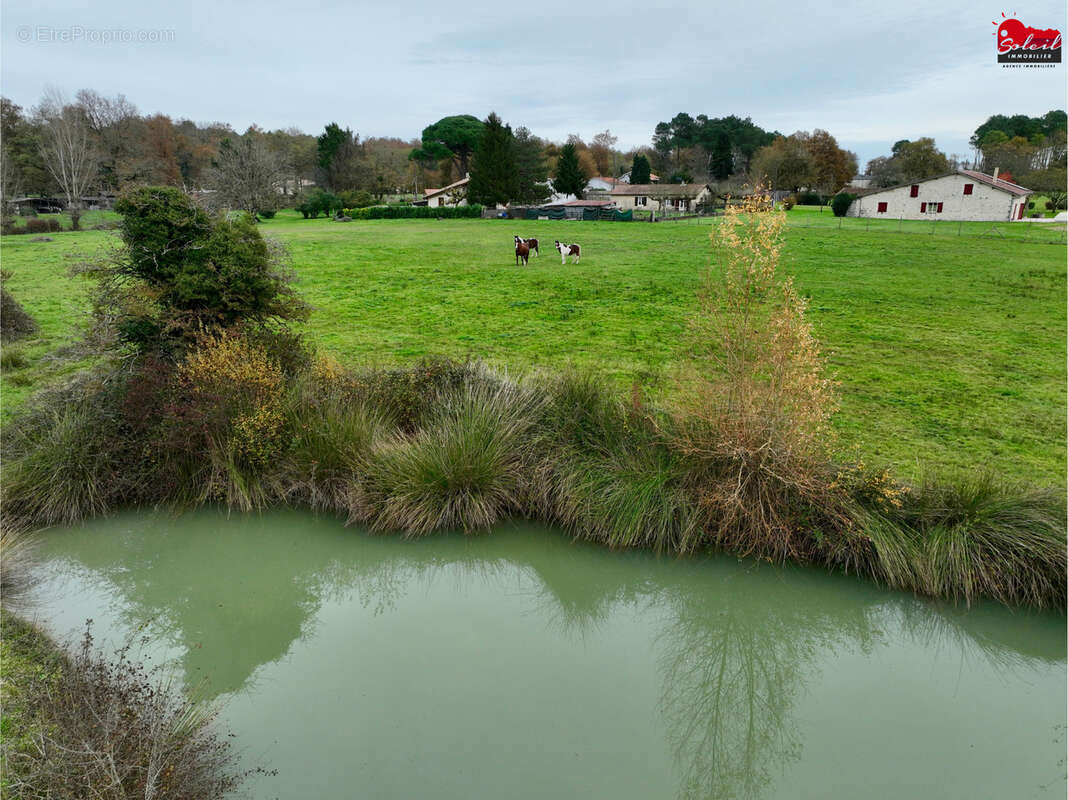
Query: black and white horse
point(565, 250)
point(531, 243)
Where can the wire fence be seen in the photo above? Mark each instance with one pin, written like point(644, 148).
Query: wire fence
point(1022, 231)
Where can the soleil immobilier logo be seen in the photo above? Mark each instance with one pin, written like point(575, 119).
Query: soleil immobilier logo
point(1017, 43)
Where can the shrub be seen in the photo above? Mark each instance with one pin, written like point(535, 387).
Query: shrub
point(788, 202)
point(1030, 204)
point(754, 408)
point(1050, 205)
point(50, 225)
point(841, 202)
point(182, 271)
point(809, 198)
point(268, 214)
point(225, 427)
point(14, 321)
point(96, 727)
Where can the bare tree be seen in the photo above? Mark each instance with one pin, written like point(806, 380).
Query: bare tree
point(248, 174)
point(68, 149)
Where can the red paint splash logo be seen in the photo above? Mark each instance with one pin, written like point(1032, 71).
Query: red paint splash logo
point(1019, 42)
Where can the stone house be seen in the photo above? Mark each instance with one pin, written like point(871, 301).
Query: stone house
point(961, 195)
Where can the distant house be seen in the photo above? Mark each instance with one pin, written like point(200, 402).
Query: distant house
point(859, 182)
point(625, 178)
point(455, 194)
point(601, 184)
point(961, 195)
point(660, 197)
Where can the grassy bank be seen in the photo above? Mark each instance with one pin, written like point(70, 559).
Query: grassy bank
point(78, 725)
point(949, 350)
point(448, 445)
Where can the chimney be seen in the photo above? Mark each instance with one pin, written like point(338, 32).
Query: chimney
point(996, 170)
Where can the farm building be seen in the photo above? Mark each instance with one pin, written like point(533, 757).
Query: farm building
point(961, 195)
point(660, 197)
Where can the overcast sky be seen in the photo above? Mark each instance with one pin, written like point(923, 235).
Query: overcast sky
point(870, 73)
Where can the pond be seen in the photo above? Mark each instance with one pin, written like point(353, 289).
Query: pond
point(521, 664)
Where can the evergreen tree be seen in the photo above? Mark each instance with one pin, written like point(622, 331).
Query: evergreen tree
point(640, 172)
point(569, 176)
point(531, 166)
point(722, 156)
point(494, 177)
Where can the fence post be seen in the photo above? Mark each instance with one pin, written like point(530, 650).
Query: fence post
point(899, 221)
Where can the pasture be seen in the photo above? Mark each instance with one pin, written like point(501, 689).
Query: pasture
point(948, 344)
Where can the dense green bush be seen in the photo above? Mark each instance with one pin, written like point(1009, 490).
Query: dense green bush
point(318, 202)
point(809, 198)
point(182, 271)
point(840, 203)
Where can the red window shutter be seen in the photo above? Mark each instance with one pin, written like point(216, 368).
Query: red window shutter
point(968, 188)
point(882, 208)
point(923, 207)
point(915, 190)
point(939, 208)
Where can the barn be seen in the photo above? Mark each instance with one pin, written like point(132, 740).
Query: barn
point(961, 195)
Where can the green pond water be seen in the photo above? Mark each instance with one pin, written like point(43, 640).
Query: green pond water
point(519, 664)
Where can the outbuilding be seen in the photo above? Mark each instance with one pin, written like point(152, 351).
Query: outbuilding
point(961, 195)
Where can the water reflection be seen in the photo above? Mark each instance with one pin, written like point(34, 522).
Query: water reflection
point(736, 644)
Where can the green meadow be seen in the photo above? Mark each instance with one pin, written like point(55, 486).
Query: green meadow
point(947, 341)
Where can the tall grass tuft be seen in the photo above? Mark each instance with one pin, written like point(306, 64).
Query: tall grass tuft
point(977, 536)
point(464, 468)
point(334, 436)
point(59, 467)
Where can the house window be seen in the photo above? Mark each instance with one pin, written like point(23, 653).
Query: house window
point(968, 188)
point(923, 207)
point(882, 208)
point(640, 200)
point(939, 208)
point(914, 191)
point(680, 204)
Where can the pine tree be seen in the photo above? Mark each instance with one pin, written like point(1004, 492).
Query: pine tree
point(722, 156)
point(494, 177)
point(569, 176)
point(530, 163)
point(640, 172)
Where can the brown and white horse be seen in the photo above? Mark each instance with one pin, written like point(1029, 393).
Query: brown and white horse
point(531, 243)
point(565, 250)
point(522, 251)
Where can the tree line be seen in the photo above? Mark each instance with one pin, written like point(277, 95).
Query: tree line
point(92, 145)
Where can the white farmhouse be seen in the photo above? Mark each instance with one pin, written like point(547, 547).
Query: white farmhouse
point(961, 195)
point(455, 194)
point(660, 197)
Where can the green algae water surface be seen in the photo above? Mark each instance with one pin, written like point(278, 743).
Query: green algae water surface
point(519, 664)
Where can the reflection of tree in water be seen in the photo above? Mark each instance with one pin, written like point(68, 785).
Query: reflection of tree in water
point(734, 662)
point(738, 642)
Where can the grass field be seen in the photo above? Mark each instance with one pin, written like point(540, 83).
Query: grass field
point(948, 343)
